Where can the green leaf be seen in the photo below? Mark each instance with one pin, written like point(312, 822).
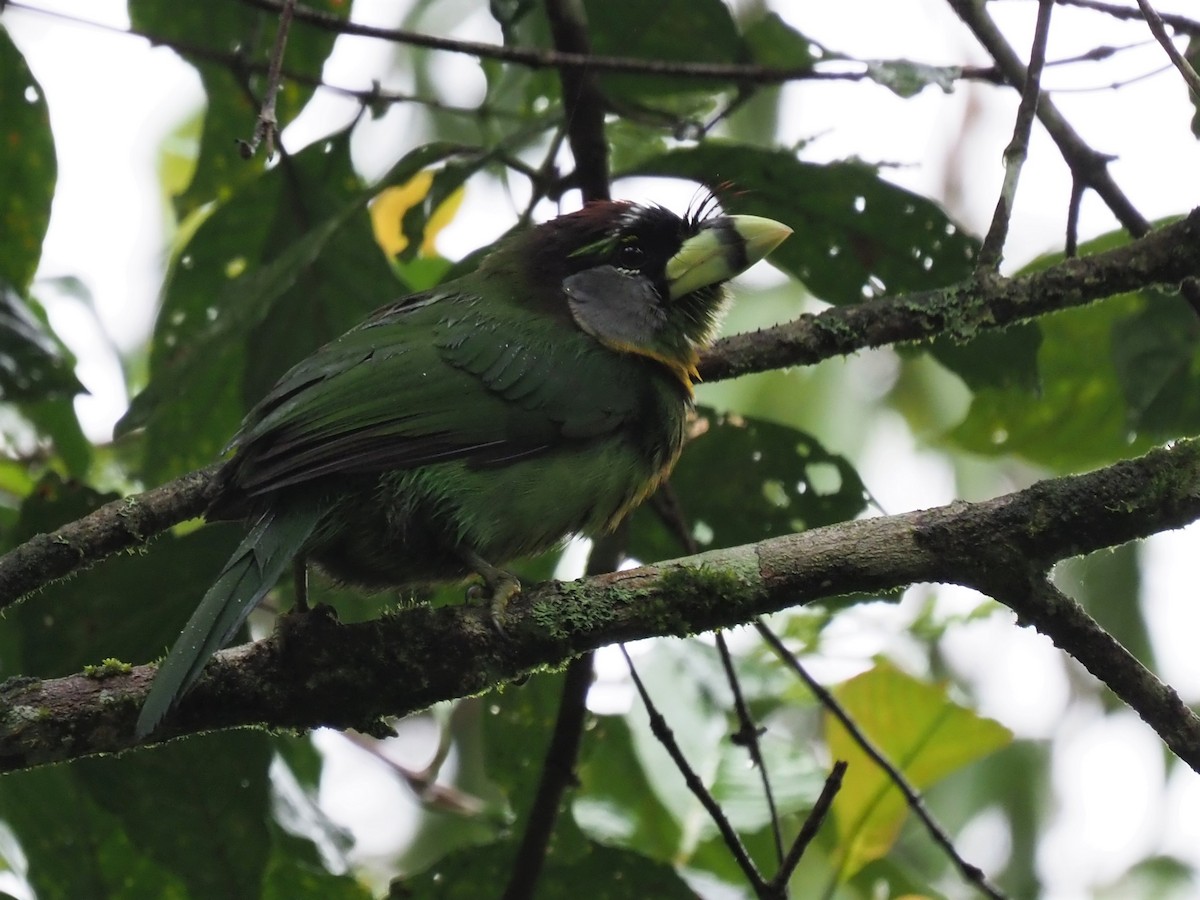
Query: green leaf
point(670, 31)
point(1134, 347)
point(232, 94)
point(75, 849)
point(56, 420)
point(197, 808)
point(854, 235)
point(742, 480)
point(993, 359)
point(517, 728)
point(128, 607)
point(28, 168)
point(253, 292)
point(608, 873)
point(775, 43)
point(1154, 353)
point(1077, 421)
point(34, 365)
point(615, 803)
point(924, 734)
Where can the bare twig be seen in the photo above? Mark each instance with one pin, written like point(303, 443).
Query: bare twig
point(1071, 245)
point(747, 736)
point(583, 104)
point(1182, 24)
point(662, 731)
point(670, 511)
point(1159, 30)
point(971, 873)
point(1018, 148)
point(812, 824)
point(1087, 165)
point(267, 127)
point(558, 772)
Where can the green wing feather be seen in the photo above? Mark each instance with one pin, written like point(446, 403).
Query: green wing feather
point(404, 390)
point(252, 571)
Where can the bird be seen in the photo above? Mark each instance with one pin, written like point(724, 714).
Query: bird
point(544, 394)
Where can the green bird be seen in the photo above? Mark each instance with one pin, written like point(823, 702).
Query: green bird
point(543, 395)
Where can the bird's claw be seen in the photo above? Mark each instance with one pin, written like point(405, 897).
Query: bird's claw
point(498, 588)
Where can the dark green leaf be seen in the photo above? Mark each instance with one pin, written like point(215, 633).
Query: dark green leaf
point(252, 293)
point(993, 359)
point(596, 872)
point(668, 30)
point(517, 727)
point(616, 803)
point(197, 808)
point(75, 849)
point(855, 236)
point(1154, 352)
point(34, 365)
point(743, 480)
point(1077, 419)
point(129, 607)
point(236, 30)
point(56, 420)
point(775, 43)
point(27, 168)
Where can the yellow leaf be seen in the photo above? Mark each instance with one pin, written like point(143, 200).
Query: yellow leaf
point(924, 734)
point(388, 209)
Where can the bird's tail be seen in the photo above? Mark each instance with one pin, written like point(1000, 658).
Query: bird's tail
point(253, 569)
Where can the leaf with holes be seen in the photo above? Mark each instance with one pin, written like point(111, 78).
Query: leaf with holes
point(742, 480)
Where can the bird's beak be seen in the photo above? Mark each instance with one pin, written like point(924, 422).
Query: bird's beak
point(725, 247)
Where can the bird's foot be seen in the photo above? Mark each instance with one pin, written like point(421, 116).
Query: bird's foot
point(498, 588)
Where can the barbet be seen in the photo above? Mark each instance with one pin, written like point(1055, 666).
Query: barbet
point(545, 394)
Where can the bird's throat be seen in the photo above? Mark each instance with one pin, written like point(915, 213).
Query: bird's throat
point(684, 369)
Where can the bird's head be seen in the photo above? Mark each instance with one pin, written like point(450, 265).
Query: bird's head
point(642, 280)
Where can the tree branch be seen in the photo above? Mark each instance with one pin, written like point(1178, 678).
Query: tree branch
point(1165, 257)
point(314, 672)
point(1087, 165)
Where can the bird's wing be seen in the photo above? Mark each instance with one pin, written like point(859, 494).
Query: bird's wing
point(443, 378)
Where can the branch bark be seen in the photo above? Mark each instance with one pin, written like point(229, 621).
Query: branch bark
point(315, 672)
point(1164, 257)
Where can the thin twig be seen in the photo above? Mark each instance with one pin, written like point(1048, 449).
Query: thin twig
point(971, 873)
point(1182, 24)
point(1086, 164)
point(747, 736)
point(1018, 148)
point(583, 103)
point(1071, 245)
point(558, 773)
point(267, 127)
point(423, 782)
point(1159, 30)
point(662, 731)
point(812, 824)
point(666, 504)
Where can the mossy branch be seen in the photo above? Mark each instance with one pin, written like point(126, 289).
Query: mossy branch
point(315, 672)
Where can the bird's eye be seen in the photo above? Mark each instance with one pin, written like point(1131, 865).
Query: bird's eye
point(629, 256)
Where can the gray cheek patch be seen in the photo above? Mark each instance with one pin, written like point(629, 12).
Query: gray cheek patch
point(614, 306)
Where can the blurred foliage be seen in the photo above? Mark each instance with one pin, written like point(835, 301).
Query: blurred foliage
point(268, 261)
